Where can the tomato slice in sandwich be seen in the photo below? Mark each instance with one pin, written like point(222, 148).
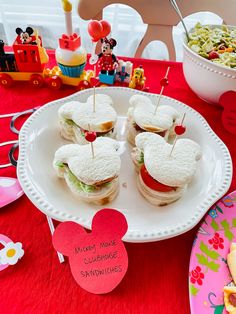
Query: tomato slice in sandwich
point(154, 184)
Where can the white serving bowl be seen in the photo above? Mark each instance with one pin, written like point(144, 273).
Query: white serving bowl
point(206, 78)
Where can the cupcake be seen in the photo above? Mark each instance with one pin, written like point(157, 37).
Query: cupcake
point(70, 62)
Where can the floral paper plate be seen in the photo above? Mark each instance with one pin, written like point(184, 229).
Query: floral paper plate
point(208, 270)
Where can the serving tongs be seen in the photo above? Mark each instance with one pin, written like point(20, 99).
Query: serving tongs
point(177, 10)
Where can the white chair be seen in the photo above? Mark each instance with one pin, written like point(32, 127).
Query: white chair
point(160, 16)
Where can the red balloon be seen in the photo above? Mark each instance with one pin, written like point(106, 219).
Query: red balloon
point(106, 28)
point(95, 39)
point(95, 29)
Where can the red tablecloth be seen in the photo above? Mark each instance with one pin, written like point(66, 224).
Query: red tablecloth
point(157, 278)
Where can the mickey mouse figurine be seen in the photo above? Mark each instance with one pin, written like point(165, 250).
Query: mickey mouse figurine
point(107, 61)
point(26, 36)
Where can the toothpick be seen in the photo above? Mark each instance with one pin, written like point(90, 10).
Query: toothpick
point(91, 143)
point(162, 89)
point(173, 146)
point(93, 98)
point(182, 121)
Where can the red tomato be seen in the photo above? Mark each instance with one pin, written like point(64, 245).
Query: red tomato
point(152, 183)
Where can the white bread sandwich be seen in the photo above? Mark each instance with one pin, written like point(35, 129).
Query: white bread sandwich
point(141, 118)
point(163, 178)
point(75, 116)
point(93, 178)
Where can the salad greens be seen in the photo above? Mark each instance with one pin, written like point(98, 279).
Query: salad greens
point(141, 158)
point(217, 44)
point(75, 181)
point(81, 186)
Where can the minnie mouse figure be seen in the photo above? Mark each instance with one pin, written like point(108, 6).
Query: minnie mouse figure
point(107, 61)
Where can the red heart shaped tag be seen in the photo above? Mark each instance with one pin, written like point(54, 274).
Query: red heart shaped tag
point(94, 81)
point(228, 102)
point(98, 259)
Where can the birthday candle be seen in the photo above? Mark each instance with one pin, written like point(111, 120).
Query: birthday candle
point(67, 7)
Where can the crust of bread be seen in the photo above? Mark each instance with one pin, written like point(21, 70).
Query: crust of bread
point(176, 169)
point(104, 165)
point(102, 120)
point(73, 133)
point(158, 198)
point(143, 114)
point(101, 197)
point(134, 154)
point(132, 132)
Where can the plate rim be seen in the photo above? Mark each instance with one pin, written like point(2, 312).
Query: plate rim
point(193, 249)
point(130, 236)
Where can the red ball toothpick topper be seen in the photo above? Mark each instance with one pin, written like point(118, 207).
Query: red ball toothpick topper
point(164, 81)
point(90, 136)
point(180, 129)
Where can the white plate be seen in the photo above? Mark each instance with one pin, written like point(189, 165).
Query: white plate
point(39, 139)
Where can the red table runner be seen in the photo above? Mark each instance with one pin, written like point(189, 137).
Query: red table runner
point(157, 277)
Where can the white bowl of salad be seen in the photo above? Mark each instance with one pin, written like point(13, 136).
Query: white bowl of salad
point(209, 61)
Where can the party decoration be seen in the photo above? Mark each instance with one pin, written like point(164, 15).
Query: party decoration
point(228, 102)
point(163, 82)
point(179, 130)
point(67, 7)
point(98, 260)
point(106, 28)
point(107, 61)
point(10, 253)
point(138, 79)
point(97, 30)
point(10, 190)
point(209, 257)
point(124, 71)
point(90, 136)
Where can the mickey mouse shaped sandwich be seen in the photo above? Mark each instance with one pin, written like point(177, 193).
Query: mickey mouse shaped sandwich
point(144, 117)
point(74, 117)
point(90, 174)
point(164, 173)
